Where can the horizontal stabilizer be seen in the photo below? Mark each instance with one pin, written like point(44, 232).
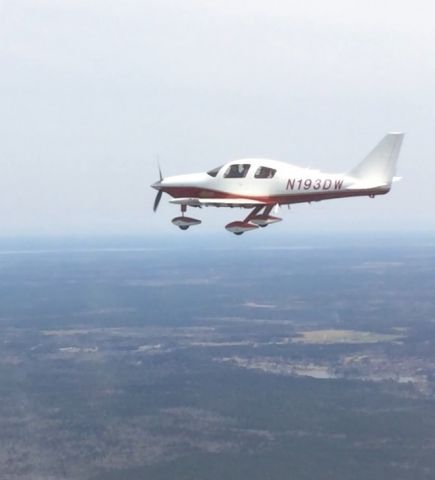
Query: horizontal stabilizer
point(368, 186)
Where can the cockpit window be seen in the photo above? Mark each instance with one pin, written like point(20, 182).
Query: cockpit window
point(265, 172)
point(214, 172)
point(238, 170)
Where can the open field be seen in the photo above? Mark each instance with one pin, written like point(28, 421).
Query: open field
point(111, 366)
point(327, 337)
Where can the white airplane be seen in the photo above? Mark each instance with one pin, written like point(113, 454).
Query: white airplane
point(262, 184)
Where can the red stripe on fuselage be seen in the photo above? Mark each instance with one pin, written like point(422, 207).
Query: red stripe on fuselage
point(200, 193)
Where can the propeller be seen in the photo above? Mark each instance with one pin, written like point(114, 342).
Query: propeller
point(157, 200)
point(160, 170)
point(159, 192)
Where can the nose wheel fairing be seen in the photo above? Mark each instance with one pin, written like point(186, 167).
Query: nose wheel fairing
point(184, 222)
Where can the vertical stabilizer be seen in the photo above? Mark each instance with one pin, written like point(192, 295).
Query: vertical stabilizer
point(379, 167)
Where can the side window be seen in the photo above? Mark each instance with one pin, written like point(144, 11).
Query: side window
point(238, 170)
point(265, 172)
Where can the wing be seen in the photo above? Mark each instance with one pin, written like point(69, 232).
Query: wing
point(219, 202)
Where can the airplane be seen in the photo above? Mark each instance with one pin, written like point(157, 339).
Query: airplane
point(262, 185)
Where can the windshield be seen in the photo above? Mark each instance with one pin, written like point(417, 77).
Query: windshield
point(214, 172)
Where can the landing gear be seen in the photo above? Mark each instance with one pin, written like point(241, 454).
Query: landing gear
point(265, 219)
point(240, 227)
point(183, 222)
point(253, 220)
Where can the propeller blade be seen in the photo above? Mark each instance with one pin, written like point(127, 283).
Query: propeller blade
point(157, 200)
point(160, 170)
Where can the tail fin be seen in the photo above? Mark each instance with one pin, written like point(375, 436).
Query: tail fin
point(379, 167)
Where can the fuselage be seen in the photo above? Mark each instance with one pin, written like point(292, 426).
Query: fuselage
point(267, 181)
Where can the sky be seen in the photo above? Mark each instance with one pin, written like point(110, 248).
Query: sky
point(92, 91)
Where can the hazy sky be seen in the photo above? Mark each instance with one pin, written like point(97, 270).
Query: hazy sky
point(91, 91)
